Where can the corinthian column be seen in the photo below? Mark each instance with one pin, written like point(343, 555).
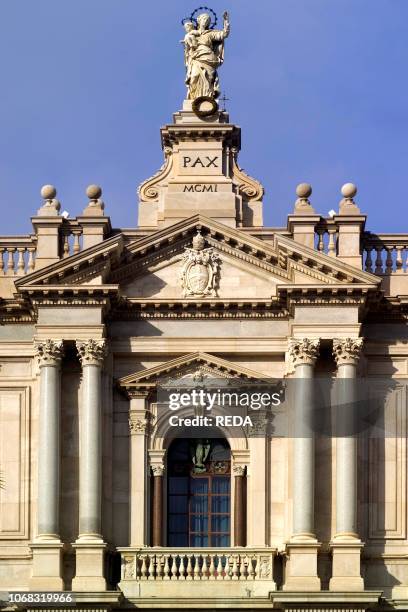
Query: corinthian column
point(346, 545)
point(301, 567)
point(89, 545)
point(47, 545)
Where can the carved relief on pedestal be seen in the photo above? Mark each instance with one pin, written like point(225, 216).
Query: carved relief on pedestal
point(200, 269)
point(128, 567)
point(347, 350)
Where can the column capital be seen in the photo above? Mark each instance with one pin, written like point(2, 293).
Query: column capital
point(91, 352)
point(49, 352)
point(157, 469)
point(303, 351)
point(137, 424)
point(238, 470)
point(347, 351)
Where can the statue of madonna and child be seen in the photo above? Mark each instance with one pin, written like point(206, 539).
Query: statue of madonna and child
point(203, 54)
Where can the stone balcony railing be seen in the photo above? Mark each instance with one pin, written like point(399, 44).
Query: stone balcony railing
point(17, 255)
point(385, 254)
point(326, 232)
point(196, 566)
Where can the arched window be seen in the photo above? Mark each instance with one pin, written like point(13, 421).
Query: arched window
point(199, 493)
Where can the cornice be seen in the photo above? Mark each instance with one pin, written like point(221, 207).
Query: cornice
point(190, 308)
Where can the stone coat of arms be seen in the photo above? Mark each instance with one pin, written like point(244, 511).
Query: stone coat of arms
point(199, 273)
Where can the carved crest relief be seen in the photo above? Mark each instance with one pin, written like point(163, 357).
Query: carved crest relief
point(200, 270)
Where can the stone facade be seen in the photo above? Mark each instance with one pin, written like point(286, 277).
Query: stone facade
point(93, 320)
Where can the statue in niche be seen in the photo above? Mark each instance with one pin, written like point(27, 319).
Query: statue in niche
point(204, 54)
point(199, 456)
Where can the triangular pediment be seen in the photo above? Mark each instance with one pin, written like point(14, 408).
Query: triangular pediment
point(149, 268)
point(187, 367)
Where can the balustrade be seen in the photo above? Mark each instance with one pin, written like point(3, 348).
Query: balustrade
point(385, 254)
point(17, 254)
point(198, 564)
point(326, 237)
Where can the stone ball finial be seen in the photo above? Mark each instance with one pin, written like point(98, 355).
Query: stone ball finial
point(48, 192)
point(349, 190)
point(304, 190)
point(93, 192)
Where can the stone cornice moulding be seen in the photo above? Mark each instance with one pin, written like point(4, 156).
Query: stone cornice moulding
point(111, 247)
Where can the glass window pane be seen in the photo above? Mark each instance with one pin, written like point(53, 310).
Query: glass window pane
point(220, 540)
point(199, 485)
point(220, 503)
point(178, 484)
point(178, 503)
point(199, 522)
point(197, 539)
point(220, 484)
point(220, 522)
point(178, 539)
point(199, 504)
point(178, 523)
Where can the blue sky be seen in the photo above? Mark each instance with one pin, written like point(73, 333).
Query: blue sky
point(319, 88)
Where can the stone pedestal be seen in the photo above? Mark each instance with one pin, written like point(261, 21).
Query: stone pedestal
point(346, 566)
point(90, 567)
point(301, 567)
point(47, 566)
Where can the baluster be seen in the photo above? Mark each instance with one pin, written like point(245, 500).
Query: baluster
point(166, 570)
point(20, 261)
point(1, 261)
point(398, 260)
point(244, 571)
point(10, 261)
point(369, 261)
point(182, 567)
point(217, 567)
point(77, 246)
point(174, 567)
point(159, 567)
point(235, 570)
point(320, 244)
point(204, 573)
point(143, 571)
point(196, 566)
point(388, 261)
point(252, 572)
point(331, 249)
point(65, 248)
point(212, 567)
point(189, 568)
point(228, 567)
point(378, 261)
point(258, 567)
point(30, 262)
